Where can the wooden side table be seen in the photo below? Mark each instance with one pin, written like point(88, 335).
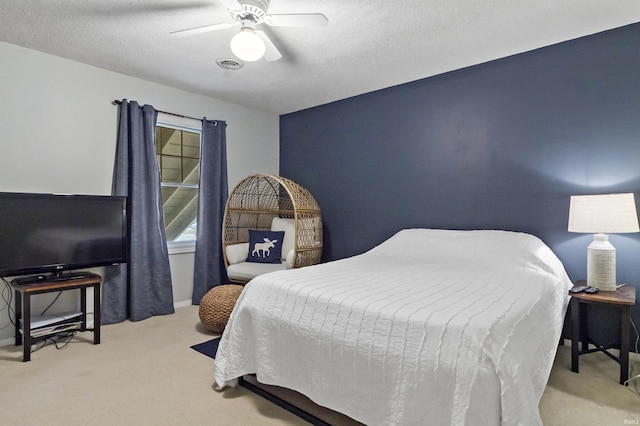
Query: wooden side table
point(623, 298)
point(23, 293)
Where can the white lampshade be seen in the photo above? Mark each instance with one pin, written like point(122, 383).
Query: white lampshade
point(247, 45)
point(600, 215)
point(606, 214)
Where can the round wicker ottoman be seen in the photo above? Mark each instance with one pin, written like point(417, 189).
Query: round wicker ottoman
point(216, 306)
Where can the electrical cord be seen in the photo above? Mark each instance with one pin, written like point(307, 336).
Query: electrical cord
point(7, 297)
point(55, 340)
point(51, 304)
point(35, 347)
point(633, 364)
point(69, 335)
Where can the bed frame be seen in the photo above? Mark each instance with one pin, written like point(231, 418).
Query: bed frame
point(280, 396)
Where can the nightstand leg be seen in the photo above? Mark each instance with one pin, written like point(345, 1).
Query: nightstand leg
point(83, 308)
point(18, 309)
point(96, 313)
point(26, 328)
point(584, 327)
point(624, 343)
point(575, 333)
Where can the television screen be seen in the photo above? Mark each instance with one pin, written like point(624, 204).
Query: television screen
point(42, 233)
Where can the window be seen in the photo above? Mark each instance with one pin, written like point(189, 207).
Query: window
point(178, 153)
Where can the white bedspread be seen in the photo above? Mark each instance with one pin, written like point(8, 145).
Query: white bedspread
point(430, 327)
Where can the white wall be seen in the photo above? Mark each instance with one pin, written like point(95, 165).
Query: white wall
point(58, 132)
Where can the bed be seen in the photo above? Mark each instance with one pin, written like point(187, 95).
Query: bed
point(429, 327)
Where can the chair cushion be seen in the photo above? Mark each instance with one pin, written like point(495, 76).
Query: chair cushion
point(237, 253)
point(289, 228)
point(246, 271)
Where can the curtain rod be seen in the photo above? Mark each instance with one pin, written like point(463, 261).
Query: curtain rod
point(117, 102)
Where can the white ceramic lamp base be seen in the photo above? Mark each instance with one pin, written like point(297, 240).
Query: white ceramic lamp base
point(601, 263)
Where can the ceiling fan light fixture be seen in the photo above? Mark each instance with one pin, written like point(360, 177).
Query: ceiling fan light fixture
point(247, 45)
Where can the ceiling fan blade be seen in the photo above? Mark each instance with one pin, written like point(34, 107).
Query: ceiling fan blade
point(231, 4)
point(271, 52)
point(203, 29)
point(297, 20)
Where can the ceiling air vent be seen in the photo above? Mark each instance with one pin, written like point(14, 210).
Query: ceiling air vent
point(229, 64)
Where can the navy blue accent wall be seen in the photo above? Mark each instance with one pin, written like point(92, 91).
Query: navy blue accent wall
point(501, 145)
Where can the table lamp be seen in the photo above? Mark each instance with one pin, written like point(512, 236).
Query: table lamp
point(600, 215)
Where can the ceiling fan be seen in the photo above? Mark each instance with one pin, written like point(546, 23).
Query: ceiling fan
point(251, 44)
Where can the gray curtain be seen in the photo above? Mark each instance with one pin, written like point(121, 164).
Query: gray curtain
point(140, 288)
point(209, 270)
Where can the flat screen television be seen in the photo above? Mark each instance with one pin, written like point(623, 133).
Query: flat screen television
point(53, 234)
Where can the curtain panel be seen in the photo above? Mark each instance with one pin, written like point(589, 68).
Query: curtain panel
point(209, 270)
point(141, 288)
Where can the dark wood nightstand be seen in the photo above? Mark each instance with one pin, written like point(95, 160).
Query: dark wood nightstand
point(623, 298)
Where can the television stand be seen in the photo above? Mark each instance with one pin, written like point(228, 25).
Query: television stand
point(24, 291)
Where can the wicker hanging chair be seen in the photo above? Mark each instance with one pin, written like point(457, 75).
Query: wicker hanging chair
point(256, 201)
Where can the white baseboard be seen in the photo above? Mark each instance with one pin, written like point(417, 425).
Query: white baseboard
point(11, 340)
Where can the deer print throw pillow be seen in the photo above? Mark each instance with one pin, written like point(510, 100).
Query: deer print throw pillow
point(265, 246)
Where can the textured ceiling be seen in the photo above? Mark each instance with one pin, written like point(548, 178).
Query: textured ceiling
point(368, 45)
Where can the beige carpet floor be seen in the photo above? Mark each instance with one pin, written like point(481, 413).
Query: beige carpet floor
point(145, 373)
